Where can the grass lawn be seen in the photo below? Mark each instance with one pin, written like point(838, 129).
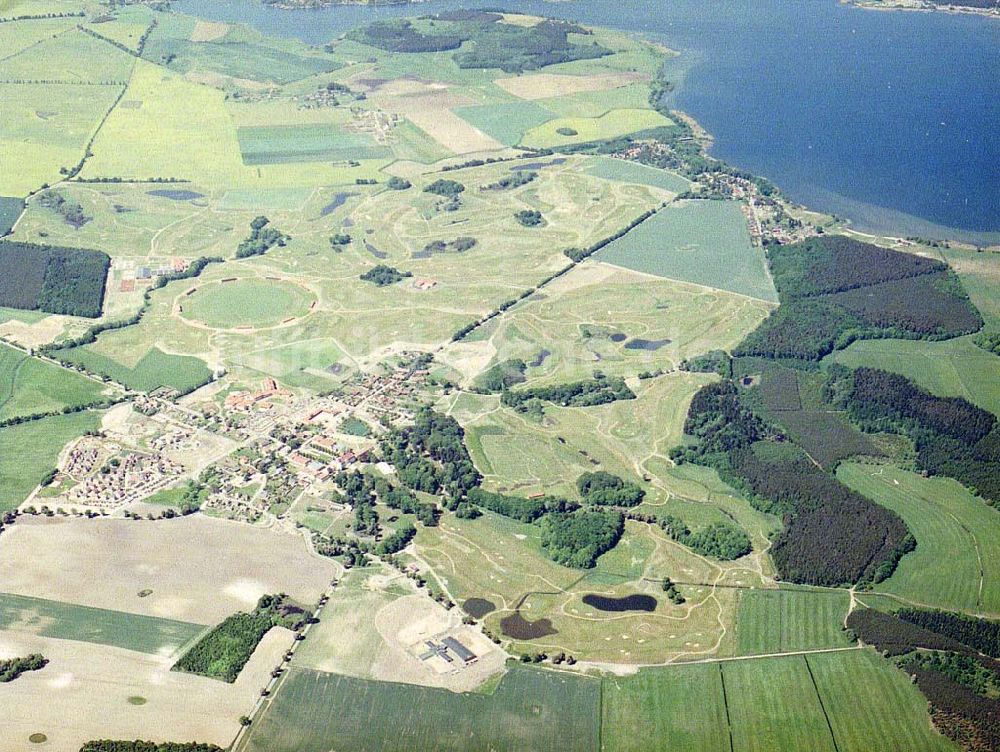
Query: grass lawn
point(531, 709)
point(246, 302)
point(705, 242)
point(29, 386)
point(29, 450)
point(953, 368)
point(68, 621)
point(777, 621)
point(956, 564)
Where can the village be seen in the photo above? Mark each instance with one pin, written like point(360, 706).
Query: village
point(235, 453)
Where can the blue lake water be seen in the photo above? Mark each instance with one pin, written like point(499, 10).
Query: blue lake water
point(891, 119)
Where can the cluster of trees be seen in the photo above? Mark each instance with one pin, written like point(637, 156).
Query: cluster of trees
point(398, 184)
point(338, 240)
point(989, 341)
point(518, 507)
point(54, 279)
point(399, 35)
point(109, 745)
point(672, 593)
point(959, 711)
point(445, 187)
point(718, 540)
point(952, 436)
point(529, 217)
point(405, 501)
point(515, 179)
point(11, 668)
point(431, 456)
point(599, 390)
point(358, 489)
point(69, 210)
point(502, 376)
point(714, 361)
point(262, 239)
point(397, 541)
point(223, 652)
point(604, 489)
point(576, 539)
point(458, 245)
point(382, 275)
point(965, 669)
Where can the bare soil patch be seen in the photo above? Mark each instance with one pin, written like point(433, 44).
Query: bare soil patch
point(208, 31)
point(545, 85)
point(199, 569)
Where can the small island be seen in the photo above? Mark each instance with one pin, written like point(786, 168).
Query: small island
point(978, 7)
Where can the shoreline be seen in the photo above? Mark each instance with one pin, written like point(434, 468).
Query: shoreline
point(920, 7)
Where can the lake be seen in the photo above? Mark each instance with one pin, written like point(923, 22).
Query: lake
point(887, 118)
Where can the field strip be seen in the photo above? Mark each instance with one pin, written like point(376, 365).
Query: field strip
point(822, 707)
point(761, 656)
point(648, 275)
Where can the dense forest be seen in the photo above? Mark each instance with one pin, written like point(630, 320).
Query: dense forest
point(835, 290)
point(223, 652)
point(597, 391)
point(481, 39)
point(576, 539)
point(53, 279)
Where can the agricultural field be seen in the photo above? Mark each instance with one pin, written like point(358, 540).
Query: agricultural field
point(956, 564)
point(573, 130)
point(125, 558)
point(782, 621)
point(104, 691)
point(838, 701)
point(28, 451)
point(153, 370)
point(68, 621)
point(29, 386)
point(529, 709)
point(703, 242)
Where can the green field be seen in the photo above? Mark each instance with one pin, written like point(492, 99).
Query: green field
point(705, 242)
point(68, 621)
point(953, 368)
point(71, 57)
point(304, 363)
point(620, 171)
point(529, 710)
point(29, 450)
point(29, 386)
point(780, 621)
point(873, 706)
point(507, 122)
point(609, 125)
point(956, 564)
point(246, 303)
point(311, 142)
point(852, 701)
point(153, 370)
point(680, 709)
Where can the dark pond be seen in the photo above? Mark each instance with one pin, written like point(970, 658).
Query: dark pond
point(477, 608)
point(519, 628)
point(175, 194)
point(336, 202)
point(617, 337)
point(375, 251)
point(538, 165)
point(646, 344)
point(634, 602)
point(539, 359)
